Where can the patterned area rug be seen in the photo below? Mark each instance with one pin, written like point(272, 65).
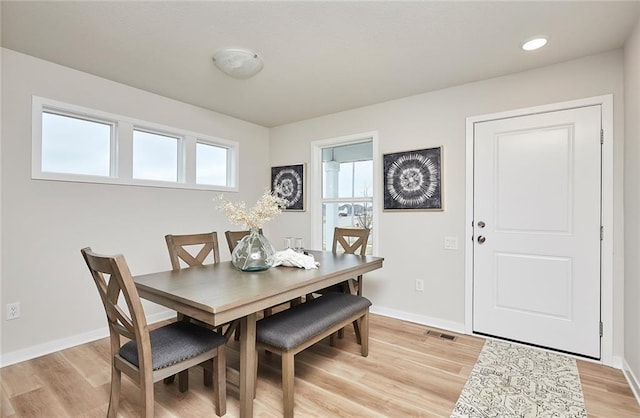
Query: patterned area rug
point(521, 382)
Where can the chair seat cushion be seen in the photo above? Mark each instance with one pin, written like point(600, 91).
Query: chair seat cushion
point(292, 327)
point(174, 343)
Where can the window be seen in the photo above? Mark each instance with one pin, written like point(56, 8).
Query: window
point(72, 143)
point(211, 164)
point(347, 190)
point(155, 156)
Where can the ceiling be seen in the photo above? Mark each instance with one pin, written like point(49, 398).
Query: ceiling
point(319, 57)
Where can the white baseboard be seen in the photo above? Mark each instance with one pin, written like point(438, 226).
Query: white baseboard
point(18, 356)
point(616, 361)
point(632, 379)
point(419, 319)
point(7, 359)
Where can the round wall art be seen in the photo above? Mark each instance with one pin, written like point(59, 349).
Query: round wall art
point(412, 179)
point(288, 181)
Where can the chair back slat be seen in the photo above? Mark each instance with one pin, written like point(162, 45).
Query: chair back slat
point(351, 240)
point(182, 247)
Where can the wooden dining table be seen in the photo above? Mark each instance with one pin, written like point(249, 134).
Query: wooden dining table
point(220, 293)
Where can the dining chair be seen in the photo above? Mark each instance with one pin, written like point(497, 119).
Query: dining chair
point(193, 250)
point(352, 241)
point(233, 238)
point(150, 355)
point(348, 241)
point(179, 246)
point(181, 253)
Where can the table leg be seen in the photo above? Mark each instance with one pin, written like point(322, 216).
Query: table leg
point(247, 364)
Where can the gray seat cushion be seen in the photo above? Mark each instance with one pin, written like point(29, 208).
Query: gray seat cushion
point(174, 343)
point(292, 327)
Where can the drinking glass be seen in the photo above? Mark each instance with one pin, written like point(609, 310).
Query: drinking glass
point(288, 243)
point(298, 245)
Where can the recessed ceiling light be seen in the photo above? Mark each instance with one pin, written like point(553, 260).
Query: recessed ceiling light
point(238, 62)
point(534, 43)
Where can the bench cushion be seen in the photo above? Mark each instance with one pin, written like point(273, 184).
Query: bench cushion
point(174, 343)
point(292, 327)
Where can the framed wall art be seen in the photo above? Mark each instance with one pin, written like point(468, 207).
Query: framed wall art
point(413, 180)
point(289, 181)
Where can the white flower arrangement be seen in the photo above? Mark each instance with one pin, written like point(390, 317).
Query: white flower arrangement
point(268, 206)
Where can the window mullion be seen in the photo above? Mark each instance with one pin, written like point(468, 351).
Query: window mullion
point(122, 150)
point(188, 160)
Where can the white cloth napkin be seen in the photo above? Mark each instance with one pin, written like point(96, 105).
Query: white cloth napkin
point(290, 258)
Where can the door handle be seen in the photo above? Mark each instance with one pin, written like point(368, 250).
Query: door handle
point(481, 224)
point(481, 239)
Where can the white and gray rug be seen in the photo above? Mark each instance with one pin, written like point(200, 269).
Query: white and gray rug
point(511, 381)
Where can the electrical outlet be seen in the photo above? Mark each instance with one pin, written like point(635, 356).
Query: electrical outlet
point(450, 243)
point(13, 310)
point(420, 285)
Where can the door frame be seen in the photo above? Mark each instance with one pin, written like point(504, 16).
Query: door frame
point(606, 266)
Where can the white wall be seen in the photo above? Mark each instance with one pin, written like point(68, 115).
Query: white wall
point(632, 208)
point(412, 242)
point(46, 223)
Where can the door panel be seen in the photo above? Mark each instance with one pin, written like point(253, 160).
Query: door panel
point(537, 192)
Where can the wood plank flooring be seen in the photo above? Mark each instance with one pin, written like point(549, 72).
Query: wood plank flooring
point(407, 374)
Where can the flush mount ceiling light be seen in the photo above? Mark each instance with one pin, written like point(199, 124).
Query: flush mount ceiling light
point(238, 62)
point(534, 43)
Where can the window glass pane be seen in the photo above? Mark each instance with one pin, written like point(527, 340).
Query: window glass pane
point(346, 215)
point(363, 178)
point(75, 146)
point(330, 179)
point(211, 164)
point(345, 180)
point(155, 157)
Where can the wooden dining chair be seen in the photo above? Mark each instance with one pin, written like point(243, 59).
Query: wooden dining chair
point(189, 251)
point(150, 355)
point(233, 238)
point(179, 247)
point(348, 241)
point(351, 241)
point(181, 253)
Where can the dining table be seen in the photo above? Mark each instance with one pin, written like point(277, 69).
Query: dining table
point(220, 293)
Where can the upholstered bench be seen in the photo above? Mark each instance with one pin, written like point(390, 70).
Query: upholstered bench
point(290, 331)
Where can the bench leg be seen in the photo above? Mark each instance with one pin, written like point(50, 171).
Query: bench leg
point(183, 381)
point(288, 375)
point(364, 334)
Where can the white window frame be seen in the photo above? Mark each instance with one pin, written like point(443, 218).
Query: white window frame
point(121, 155)
point(315, 168)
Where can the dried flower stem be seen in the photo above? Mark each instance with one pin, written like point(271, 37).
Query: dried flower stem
point(268, 206)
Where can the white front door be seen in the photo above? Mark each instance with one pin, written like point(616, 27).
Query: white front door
point(537, 217)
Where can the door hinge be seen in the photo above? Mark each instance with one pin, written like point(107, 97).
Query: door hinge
point(601, 328)
point(601, 233)
point(602, 136)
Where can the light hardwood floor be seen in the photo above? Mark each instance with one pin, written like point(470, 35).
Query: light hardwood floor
point(407, 374)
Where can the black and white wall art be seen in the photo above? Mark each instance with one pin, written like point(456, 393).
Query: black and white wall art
point(412, 180)
point(288, 180)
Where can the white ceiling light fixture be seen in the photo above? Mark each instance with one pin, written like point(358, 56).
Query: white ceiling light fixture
point(238, 62)
point(534, 43)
